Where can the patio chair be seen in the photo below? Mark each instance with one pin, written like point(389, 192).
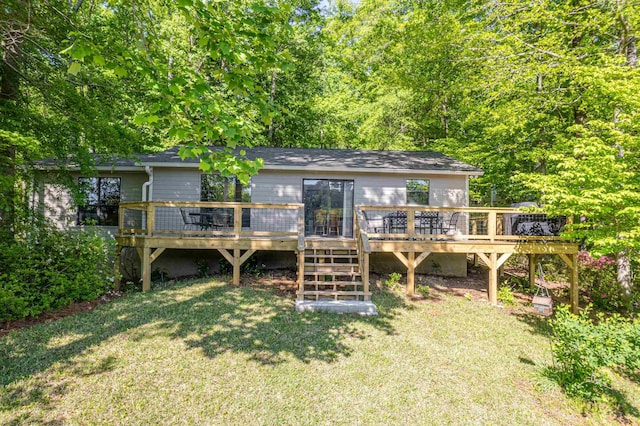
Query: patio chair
point(375, 226)
point(190, 222)
point(451, 226)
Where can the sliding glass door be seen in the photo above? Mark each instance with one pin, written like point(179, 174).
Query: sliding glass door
point(328, 207)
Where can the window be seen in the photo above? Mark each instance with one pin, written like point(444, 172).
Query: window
point(221, 189)
point(418, 192)
point(100, 201)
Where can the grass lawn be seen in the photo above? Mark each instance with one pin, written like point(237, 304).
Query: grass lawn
point(209, 353)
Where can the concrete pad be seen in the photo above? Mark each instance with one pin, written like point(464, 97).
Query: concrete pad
point(337, 306)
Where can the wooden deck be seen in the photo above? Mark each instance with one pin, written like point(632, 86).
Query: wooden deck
point(337, 267)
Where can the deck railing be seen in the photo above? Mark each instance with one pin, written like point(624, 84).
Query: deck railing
point(210, 219)
point(459, 223)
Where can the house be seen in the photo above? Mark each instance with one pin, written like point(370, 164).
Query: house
point(321, 179)
point(336, 213)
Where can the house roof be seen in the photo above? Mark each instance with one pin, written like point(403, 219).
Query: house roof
point(328, 160)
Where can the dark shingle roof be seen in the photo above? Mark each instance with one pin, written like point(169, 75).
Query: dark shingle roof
point(318, 159)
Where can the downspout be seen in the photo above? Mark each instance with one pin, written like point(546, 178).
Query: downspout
point(148, 185)
point(147, 188)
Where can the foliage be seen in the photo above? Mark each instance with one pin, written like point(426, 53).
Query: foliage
point(598, 278)
point(393, 281)
point(423, 290)
point(582, 348)
point(50, 268)
point(505, 295)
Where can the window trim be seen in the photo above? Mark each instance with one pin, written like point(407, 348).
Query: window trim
point(409, 202)
point(100, 204)
point(231, 189)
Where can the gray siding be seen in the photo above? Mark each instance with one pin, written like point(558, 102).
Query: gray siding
point(177, 184)
point(370, 189)
point(57, 205)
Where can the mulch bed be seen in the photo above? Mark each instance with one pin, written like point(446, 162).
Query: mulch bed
point(72, 309)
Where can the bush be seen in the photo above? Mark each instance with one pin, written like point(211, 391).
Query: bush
point(582, 348)
point(49, 269)
point(598, 276)
point(505, 295)
point(393, 281)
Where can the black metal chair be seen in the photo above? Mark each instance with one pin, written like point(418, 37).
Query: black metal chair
point(189, 221)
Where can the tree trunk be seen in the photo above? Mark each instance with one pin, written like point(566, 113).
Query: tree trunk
point(11, 46)
point(272, 97)
point(623, 265)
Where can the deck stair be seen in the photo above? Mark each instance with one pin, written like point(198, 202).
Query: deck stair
point(332, 274)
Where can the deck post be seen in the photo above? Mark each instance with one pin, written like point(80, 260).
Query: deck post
point(365, 276)
point(236, 266)
point(573, 289)
point(301, 274)
point(116, 268)
point(493, 278)
point(411, 267)
point(532, 270)
point(146, 268)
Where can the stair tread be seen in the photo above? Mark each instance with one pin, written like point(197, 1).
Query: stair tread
point(331, 264)
point(332, 293)
point(316, 282)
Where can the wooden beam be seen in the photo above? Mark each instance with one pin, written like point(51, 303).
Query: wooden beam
point(300, 274)
point(116, 269)
point(421, 258)
point(573, 285)
point(532, 270)
point(156, 254)
point(411, 268)
point(484, 259)
point(247, 254)
point(567, 260)
point(236, 267)
point(402, 259)
point(140, 253)
point(146, 269)
point(493, 279)
point(365, 276)
point(225, 253)
point(503, 258)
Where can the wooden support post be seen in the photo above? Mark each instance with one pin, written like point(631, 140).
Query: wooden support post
point(411, 223)
point(236, 266)
point(146, 269)
point(475, 259)
point(116, 269)
point(573, 289)
point(493, 278)
point(301, 274)
point(491, 225)
point(411, 267)
point(365, 277)
point(151, 219)
point(237, 224)
point(532, 270)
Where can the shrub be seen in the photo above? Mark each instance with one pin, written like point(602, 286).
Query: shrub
point(393, 280)
point(582, 348)
point(49, 269)
point(423, 290)
point(505, 295)
point(598, 276)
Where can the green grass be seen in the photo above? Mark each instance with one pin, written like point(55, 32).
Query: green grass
point(210, 353)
